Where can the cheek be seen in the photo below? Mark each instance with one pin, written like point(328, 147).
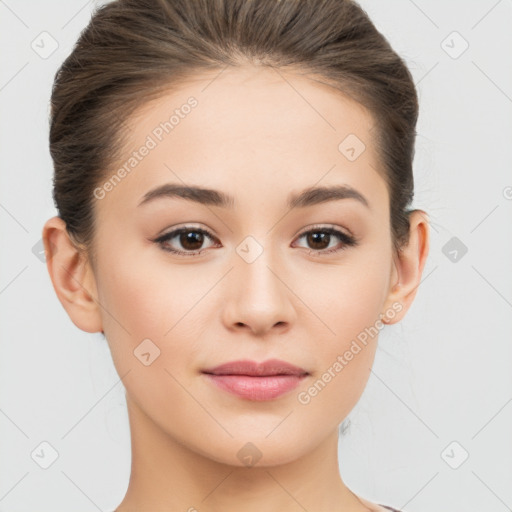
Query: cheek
point(143, 293)
point(146, 297)
point(349, 304)
point(348, 297)
point(147, 309)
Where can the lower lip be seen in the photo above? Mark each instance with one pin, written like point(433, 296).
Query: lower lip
point(256, 388)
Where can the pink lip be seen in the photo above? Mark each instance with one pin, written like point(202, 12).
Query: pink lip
point(257, 381)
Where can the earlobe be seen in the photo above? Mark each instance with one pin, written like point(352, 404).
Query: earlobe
point(409, 263)
point(71, 276)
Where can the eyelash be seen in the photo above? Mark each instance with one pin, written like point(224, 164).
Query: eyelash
point(347, 240)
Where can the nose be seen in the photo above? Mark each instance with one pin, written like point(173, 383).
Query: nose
point(259, 298)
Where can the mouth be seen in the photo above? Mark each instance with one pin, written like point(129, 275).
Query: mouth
point(256, 381)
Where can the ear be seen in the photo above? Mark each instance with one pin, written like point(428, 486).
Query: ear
point(408, 268)
point(72, 276)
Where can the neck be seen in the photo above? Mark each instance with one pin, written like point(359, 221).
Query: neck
point(167, 475)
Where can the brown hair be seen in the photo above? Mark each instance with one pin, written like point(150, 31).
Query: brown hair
point(134, 50)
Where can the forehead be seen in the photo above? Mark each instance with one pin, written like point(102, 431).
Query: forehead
point(251, 130)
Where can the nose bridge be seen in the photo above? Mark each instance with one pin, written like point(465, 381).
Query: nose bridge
point(260, 299)
point(256, 265)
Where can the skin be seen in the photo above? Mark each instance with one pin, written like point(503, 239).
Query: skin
point(255, 137)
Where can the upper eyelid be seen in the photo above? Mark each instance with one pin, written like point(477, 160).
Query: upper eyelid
point(316, 227)
point(176, 231)
point(320, 227)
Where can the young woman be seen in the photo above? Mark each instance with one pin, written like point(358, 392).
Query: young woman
point(233, 179)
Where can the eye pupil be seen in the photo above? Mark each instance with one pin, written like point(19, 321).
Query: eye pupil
point(316, 236)
point(191, 237)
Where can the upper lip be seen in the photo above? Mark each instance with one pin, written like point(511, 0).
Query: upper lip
point(253, 368)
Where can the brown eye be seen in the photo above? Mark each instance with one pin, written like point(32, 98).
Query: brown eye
point(190, 239)
point(319, 239)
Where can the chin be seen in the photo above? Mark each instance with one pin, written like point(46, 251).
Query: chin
point(253, 451)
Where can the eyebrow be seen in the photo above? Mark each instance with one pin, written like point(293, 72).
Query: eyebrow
point(308, 197)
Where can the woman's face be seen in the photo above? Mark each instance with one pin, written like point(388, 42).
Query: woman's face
point(264, 285)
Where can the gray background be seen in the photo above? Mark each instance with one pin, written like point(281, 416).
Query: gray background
point(441, 387)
